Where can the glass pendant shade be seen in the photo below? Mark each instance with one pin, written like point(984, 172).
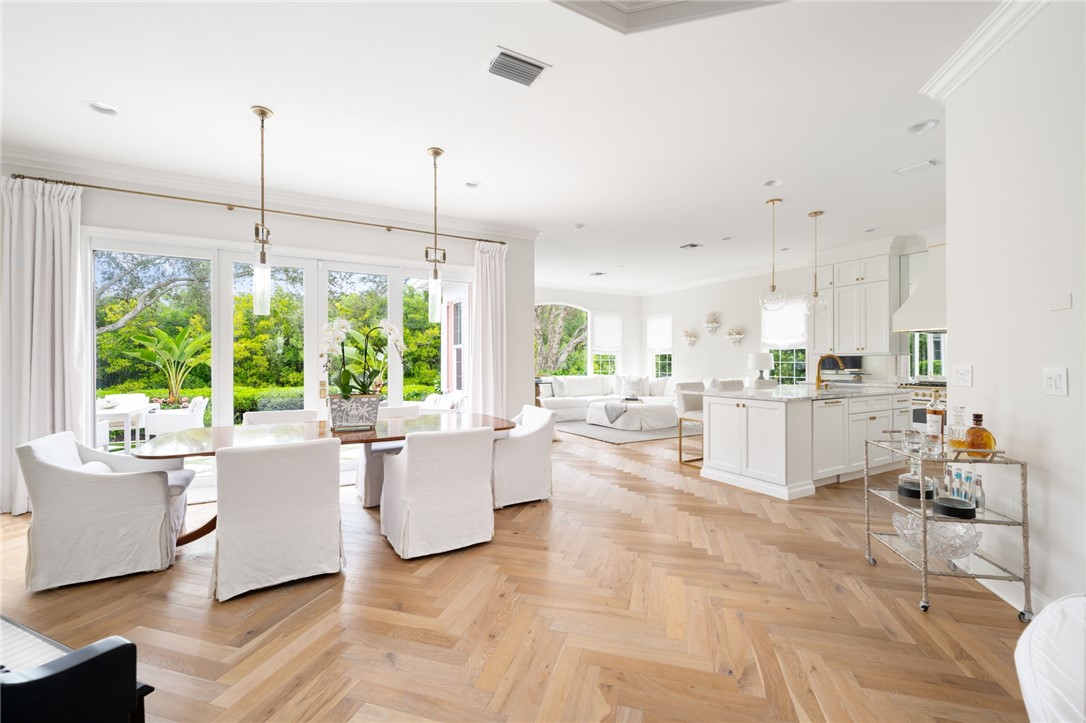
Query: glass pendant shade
point(772, 300)
point(435, 298)
point(261, 286)
point(814, 302)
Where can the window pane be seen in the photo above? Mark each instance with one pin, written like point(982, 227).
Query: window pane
point(268, 350)
point(361, 299)
point(560, 335)
point(137, 294)
point(604, 363)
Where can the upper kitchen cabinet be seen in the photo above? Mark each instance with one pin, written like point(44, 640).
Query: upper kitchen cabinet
point(866, 270)
point(856, 318)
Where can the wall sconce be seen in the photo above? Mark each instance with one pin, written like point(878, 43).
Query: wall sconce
point(690, 336)
point(735, 334)
point(712, 322)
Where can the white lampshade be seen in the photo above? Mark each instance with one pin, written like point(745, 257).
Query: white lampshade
point(435, 298)
point(759, 361)
point(261, 289)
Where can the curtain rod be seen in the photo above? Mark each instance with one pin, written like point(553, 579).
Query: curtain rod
point(232, 206)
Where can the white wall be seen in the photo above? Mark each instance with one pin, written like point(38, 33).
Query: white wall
point(1015, 230)
point(334, 240)
point(630, 308)
point(736, 301)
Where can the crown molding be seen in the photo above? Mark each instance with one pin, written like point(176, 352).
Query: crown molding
point(87, 170)
point(999, 27)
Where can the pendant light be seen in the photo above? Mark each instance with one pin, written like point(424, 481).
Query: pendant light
point(814, 302)
point(262, 236)
point(773, 300)
point(434, 254)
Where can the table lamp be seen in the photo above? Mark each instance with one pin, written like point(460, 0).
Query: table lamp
point(761, 361)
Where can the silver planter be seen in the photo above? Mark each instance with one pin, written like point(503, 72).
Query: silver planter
point(357, 413)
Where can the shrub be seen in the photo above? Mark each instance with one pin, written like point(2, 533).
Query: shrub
point(417, 392)
point(246, 399)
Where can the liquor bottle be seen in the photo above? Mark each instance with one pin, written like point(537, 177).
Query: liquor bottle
point(955, 431)
point(936, 420)
point(977, 437)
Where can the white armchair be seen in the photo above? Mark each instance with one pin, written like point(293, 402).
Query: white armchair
point(278, 516)
point(280, 416)
point(522, 461)
point(436, 494)
point(98, 515)
point(161, 421)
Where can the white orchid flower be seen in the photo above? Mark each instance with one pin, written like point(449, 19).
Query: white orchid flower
point(341, 325)
point(326, 329)
point(339, 337)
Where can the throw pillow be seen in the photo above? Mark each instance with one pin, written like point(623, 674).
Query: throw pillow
point(633, 386)
point(558, 385)
point(709, 382)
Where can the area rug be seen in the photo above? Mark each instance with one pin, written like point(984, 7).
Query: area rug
point(622, 436)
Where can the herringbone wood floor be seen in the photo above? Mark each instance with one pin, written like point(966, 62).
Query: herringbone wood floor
point(639, 592)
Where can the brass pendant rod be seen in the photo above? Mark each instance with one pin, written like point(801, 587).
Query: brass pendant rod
point(815, 215)
point(262, 171)
point(233, 206)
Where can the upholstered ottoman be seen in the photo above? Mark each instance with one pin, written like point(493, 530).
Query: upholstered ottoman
point(637, 417)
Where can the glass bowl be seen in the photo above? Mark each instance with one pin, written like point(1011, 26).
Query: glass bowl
point(946, 540)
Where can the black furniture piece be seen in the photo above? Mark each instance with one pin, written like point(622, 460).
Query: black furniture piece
point(42, 680)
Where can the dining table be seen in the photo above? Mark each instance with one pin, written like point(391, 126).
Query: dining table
point(206, 441)
point(125, 412)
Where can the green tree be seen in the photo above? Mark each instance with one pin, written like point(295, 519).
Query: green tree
point(561, 333)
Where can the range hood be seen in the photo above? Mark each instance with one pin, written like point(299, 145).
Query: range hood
point(925, 309)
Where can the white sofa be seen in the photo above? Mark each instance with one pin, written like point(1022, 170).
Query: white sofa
point(569, 396)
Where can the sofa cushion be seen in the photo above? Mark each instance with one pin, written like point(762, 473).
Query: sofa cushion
point(558, 386)
point(565, 402)
point(669, 388)
point(657, 386)
point(578, 386)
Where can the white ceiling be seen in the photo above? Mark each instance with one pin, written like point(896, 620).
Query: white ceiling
point(651, 140)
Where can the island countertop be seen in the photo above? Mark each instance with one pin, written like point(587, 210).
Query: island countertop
point(800, 393)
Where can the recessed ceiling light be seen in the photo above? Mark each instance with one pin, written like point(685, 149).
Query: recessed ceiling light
point(472, 184)
point(786, 248)
point(872, 230)
point(725, 238)
point(923, 126)
point(101, 108)
point(578, 227)
point(773, 182)
point(598, 273)
point(691, 246)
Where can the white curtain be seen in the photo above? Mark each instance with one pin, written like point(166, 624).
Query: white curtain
point(488, 368)
point(785, 328)
point(45, 278)
point(606, 333)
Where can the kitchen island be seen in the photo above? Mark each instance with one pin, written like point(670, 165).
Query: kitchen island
point(787, 441)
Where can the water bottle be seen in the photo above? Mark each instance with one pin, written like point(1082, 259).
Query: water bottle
point(967, 488)
point(978, 493)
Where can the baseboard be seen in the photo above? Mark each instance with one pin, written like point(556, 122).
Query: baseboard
point(1014, 594)
point(804, 488)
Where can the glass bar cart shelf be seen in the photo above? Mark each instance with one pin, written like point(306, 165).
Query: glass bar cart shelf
point(976, 565)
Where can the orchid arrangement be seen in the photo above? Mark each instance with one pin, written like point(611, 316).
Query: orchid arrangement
point(363, 363)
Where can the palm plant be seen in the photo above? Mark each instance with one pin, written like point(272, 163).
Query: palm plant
point(176, 355)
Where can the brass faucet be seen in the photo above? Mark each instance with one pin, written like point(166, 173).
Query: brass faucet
point(818, 377)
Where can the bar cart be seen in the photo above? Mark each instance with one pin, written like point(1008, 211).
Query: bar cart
point(975, 565)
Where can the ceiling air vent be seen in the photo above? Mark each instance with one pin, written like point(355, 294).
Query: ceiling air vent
point(516, 67)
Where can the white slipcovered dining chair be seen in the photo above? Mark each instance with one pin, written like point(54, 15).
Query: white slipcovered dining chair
point(436, 494)
point(278, 515)
point(280, 416)
point(522, 460)
point(98, 515)
point(162, 421)
point(371, 458)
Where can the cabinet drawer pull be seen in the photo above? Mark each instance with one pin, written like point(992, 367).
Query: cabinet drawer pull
point(871, 419)
point(827, 404)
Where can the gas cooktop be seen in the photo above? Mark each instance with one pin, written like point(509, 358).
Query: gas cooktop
point(938, 384)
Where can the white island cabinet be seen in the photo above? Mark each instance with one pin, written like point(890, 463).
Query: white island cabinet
point(762, 445)
point(786, 441)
